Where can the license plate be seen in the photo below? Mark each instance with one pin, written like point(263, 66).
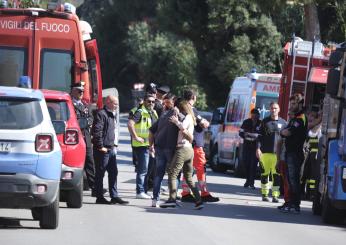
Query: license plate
point(5, 146)
point(344, 173)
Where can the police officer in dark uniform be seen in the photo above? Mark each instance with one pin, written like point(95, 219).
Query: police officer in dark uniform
point(295, 135)
point(248, 132)
point(83, 111)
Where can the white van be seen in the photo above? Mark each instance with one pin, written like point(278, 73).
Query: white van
point(256, 90)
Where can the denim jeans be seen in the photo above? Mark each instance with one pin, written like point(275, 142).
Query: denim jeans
point(163, 158)
point(142, 155)
point(294, 162)
point(106, 162)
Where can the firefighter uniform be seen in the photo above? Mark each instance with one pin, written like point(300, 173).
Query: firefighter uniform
point(294, 145)
point(311, 168)
point(269, 133)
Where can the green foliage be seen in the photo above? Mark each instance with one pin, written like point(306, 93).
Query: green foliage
point(230, 37)
point(204, 43)
point(163, 58)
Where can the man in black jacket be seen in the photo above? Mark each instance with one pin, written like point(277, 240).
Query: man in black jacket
point(248, 131)
point(105, 152)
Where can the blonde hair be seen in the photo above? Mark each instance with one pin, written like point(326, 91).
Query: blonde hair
point(185, 107)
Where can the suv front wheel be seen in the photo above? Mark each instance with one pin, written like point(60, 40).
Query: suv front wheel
point(214, 161)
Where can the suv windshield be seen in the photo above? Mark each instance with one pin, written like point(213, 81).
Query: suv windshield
point(12, 65)
point(56, 70)
point(58, 110)
point(19, 113)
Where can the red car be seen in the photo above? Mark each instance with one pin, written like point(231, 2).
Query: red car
point(72, 145)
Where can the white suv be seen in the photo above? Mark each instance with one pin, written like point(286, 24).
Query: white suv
point(30, 155)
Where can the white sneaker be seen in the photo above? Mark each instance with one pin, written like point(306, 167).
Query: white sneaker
point(143, 195)
point(155, 204)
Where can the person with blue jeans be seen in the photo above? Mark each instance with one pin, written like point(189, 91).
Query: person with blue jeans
point(138, 125)
point(163, 140)
point(105, 151)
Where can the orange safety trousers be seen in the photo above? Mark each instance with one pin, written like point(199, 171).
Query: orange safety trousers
point(199, 162)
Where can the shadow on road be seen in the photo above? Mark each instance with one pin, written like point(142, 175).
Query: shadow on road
point(14, 223)
point(243, 212)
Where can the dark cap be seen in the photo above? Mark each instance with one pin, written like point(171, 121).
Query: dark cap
point(163, 89)
point(79, 86)
point(151, 88)
point(255, 111)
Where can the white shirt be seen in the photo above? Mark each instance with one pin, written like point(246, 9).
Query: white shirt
point(188, 125)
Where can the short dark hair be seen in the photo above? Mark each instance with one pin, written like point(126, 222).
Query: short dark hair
point(148, 95)
point(298, 97)
point(188, 94)
point(273, 103)
point(169, 96)
point(177, 101)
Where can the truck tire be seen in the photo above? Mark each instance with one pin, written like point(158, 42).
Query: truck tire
point(74, 198)
point(330, 215)
point(214, 162)
point(36, 213)
point(50, 215)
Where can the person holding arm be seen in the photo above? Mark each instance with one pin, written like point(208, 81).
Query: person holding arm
point(183, 157)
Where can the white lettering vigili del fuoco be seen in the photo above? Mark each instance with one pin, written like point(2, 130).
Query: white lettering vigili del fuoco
point(34, 26)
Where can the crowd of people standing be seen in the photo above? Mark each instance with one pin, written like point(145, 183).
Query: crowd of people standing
point(167, 136)
point(286, 152)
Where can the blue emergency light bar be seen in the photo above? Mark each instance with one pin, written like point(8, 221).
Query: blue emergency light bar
point(24, 82)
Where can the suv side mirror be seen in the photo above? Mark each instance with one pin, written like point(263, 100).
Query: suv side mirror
point(59, 126)
point(83, 123)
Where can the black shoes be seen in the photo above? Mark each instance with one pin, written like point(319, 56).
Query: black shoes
point(275, 200)
point(168, 204)
point(102, 200)
point(118, 200)
point(199, 205)
point(294, 209)
point(93, 192)
point(265, 198)
point(210, 198)
point(188, 198)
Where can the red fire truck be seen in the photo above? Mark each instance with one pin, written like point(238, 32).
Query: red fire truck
point(51, 46)
point(305, 71)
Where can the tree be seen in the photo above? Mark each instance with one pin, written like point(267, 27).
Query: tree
point(163, 58)
point(230, 37)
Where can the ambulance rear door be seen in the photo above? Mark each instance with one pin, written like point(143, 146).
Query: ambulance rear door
point(236, 111)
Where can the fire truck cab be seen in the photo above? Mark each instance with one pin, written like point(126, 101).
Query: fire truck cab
point(51, 46)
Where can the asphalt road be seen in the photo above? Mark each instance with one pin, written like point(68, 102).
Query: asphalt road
point(239, 218)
